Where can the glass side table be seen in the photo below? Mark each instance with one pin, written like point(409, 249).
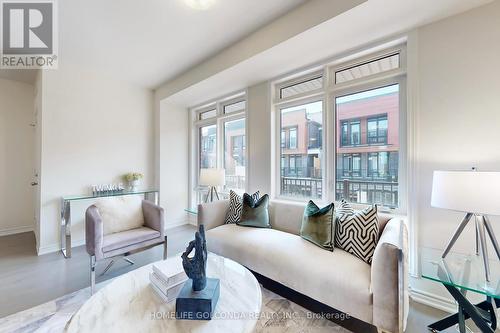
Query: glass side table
point(192, 211)
point(460, 273)
point(151, 195)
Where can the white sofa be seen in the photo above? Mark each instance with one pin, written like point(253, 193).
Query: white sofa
point(376, 294)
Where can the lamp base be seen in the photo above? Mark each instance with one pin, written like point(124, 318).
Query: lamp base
point(482, 226)
point(212, 192)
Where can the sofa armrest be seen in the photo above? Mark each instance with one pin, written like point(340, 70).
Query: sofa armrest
point(212, 214)
point(389, 280)
point(154, 217)
point(94, 234)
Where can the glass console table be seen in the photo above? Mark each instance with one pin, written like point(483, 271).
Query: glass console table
point(151, 195)
point(460, 273)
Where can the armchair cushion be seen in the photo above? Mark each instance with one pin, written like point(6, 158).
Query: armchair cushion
point(129, 237)
point(120, 213)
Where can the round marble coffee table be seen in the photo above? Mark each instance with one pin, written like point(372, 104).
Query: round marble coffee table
point(128, 304)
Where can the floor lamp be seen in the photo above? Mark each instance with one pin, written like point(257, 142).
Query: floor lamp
point(212, 178)
point(477, 194)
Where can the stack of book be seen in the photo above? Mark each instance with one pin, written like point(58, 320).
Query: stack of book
point(167, 279)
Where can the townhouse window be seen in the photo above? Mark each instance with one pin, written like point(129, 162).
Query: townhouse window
point(377, 130)
point(351, 132)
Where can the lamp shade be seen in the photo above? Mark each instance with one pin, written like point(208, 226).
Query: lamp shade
point(467, 191)
point(212, 177)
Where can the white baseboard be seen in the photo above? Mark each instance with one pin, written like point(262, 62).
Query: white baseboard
point(435, 301)
point(16, 230)
point(176, 223)
point(57, 247)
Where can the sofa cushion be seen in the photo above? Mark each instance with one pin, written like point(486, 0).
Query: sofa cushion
point(120, 213)
point(318, 225)
point(336, 278)
point(255, 213)
point(233, 214)
point(125, 238)
point(357, 232)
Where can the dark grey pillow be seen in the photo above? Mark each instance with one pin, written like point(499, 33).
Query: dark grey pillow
point(318, 225)
point(255, 213)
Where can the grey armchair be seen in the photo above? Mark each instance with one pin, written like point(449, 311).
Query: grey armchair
point(100, 246)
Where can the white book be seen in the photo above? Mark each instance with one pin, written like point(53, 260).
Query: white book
point(170, 271)
point(166, 294)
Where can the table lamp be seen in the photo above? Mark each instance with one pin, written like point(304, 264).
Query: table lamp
point(475, 193)
point(212, 178)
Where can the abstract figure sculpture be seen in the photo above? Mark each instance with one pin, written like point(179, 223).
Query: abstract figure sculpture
point(199, 295)
point(196, 267)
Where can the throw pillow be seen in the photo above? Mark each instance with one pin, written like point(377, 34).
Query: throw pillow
point(318, 225)
point(344, 210)
point(120, 213)
point(233, 214)
point(255, 213)
point(357, 232)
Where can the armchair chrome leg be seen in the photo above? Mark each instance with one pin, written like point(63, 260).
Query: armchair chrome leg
point(128, 260)
point(111, 263)
point(92, 274)
point(165, 249)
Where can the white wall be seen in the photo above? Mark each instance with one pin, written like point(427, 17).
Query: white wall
point(458, 115)
point(94, 129)
point(259, 138)
point(16, 157)
point(174, 163)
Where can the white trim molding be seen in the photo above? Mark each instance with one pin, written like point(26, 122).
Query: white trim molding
point(433, 300)
point(16, 230)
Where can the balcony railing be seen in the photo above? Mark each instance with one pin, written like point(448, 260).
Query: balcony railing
point(301, 187)
point(368, 192)
point(356, 191)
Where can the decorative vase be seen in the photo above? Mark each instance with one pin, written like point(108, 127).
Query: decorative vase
point(134, 185)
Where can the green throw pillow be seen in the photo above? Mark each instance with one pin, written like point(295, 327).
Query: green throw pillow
point(318, 225)
point(254, 213)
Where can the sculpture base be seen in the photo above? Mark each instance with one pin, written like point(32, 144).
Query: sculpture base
point(197, 305)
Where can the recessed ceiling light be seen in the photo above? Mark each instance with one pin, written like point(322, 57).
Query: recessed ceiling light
point(200, 4)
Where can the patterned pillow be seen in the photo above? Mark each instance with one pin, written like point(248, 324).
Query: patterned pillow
point(357, 232)
point(233, 214)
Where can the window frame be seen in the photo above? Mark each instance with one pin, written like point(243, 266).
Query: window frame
point(329, 92)
point(219, 121)
point(276, 192)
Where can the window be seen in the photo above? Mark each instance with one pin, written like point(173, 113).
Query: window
point(235, 107)
point(301, 87)
point(351, 132)
point(220, 142)
point(289, 138)
point(207, 114)
point(345, 131)
point(368, 173)
point(235, 154)
point(301, 150)
point(208, 147)
point(377, 130)
point(368, 68)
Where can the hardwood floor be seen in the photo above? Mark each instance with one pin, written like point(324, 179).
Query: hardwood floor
point(28, 280)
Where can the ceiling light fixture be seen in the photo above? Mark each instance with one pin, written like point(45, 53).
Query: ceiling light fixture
point(200, 4)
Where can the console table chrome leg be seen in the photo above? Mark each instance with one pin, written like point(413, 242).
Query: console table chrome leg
point(111, 263)
point(128, 260)
point(484, 247)
point(489, 229)
point(66, 228)
point(459, 230)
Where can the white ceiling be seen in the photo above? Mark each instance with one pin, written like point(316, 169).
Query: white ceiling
point(150, 42)
point(363, 25)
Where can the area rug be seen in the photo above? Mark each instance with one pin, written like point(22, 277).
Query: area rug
point(278, 315)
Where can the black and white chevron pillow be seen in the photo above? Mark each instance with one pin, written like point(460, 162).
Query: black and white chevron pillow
point(343, 210)
point(233, 214)
point(357, 232)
